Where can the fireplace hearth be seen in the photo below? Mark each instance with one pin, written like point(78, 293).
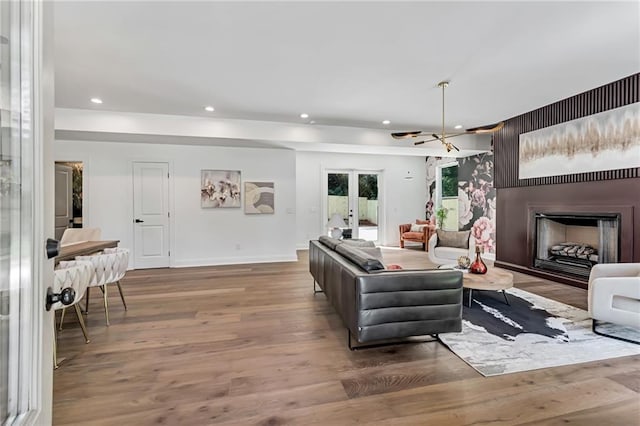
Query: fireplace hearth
point(571, 244)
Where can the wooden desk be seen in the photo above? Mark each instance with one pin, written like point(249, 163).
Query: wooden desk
point(82, 249)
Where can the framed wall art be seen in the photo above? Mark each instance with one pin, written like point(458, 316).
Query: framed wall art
point(258, 197)
point(219, 189)
point(609, 140)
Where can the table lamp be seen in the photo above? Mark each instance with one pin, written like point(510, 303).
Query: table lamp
point(335, 223)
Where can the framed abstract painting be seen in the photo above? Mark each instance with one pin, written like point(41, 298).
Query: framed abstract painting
point(219, 189)
point(258, 197)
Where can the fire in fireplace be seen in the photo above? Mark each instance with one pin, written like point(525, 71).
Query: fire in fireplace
point(572, 243)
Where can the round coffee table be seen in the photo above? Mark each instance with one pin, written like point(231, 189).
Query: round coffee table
point(494, 279)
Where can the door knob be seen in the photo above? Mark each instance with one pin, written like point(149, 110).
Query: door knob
point(66, 297)
point(52, 247)
point(139, 221)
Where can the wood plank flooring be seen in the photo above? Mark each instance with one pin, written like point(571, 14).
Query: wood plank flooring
point(252, 345)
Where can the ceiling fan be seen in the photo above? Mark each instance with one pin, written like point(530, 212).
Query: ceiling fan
point(442, 137)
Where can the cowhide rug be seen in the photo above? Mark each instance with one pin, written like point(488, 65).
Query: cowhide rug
point(533, 332)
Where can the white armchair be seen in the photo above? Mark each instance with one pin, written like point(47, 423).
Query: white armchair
point(441, 255)
point(614, 296)
point(108, 268)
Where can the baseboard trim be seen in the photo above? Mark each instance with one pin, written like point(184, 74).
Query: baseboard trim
point(189, 263)
point(541, 274)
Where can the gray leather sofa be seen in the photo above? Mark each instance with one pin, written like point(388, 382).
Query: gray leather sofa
point(377, 304)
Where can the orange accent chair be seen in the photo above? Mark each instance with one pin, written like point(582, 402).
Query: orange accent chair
point(422, 231)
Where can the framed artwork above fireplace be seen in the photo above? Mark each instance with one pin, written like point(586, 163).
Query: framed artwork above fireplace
point(609, 140)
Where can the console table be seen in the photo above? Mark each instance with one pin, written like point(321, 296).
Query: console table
point(84, 248)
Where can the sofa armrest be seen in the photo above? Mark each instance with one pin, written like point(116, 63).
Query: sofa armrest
point(427, 231)
point(604, 270)
point(615, 299)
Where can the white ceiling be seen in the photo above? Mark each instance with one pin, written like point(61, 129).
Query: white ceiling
point(347, 64)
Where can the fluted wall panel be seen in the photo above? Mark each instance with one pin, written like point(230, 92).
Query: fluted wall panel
point(614, 95)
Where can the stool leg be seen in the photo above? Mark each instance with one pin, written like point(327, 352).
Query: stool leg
point(86, 304)
point(61, 319)
point(106, 307)
point(55, 345)
point(81, 321)
point(470, 294)
point(121, 295)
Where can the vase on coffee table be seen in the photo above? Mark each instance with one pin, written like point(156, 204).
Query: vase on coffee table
point(478, 266)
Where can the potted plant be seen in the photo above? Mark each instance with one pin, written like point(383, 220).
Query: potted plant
point(441, 215)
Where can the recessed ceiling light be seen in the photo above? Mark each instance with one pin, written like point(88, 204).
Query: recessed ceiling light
point(209, 108)
point(304, 115)
point(459, 126)
point(385, 122)
point(96, 100)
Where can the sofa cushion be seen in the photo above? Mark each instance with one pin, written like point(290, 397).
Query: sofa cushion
point(459, 239)
point(359, 243)
point(359, 257)
point(329, 242)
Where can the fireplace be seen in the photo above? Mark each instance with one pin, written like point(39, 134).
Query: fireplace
point(571, 243)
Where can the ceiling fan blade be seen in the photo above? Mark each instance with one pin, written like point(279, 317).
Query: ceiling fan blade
point(405, 135)
point(486, 129)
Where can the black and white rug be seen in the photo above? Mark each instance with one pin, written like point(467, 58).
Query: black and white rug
point(533, 332)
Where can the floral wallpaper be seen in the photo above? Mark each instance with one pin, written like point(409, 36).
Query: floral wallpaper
point(476, 197)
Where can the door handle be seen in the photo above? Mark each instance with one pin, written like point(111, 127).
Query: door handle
point(66, 297)
point(52, 247)
point(139, 221)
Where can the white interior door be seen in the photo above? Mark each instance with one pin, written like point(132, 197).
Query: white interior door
point(26, 212)
point(151, 214)
point(64, 198)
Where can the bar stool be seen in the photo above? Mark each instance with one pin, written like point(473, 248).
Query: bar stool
point(76, 275)
point(108, 268)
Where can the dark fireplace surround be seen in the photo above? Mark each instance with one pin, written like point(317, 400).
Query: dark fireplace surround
point(572, 243)
point(621, 214)
point(606, 191)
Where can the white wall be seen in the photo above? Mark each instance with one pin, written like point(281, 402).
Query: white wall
point(198, 236)
point(403, 201)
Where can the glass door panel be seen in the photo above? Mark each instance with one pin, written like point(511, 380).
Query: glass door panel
point(352, 204)
point(367, 227)
point(338, 206)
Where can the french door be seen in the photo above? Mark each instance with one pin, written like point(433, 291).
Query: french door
point(354, 196)
point(26, 214)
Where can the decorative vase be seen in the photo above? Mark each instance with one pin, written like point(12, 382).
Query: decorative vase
point(478, 266)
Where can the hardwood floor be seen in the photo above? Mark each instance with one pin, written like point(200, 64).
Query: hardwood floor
point(251, 344)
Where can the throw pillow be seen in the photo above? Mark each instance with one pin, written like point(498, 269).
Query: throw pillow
point(374, 252)
point(359, 243)
point(417, 228)
point(329, 242)
point(357, 256)
point(457, 239)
